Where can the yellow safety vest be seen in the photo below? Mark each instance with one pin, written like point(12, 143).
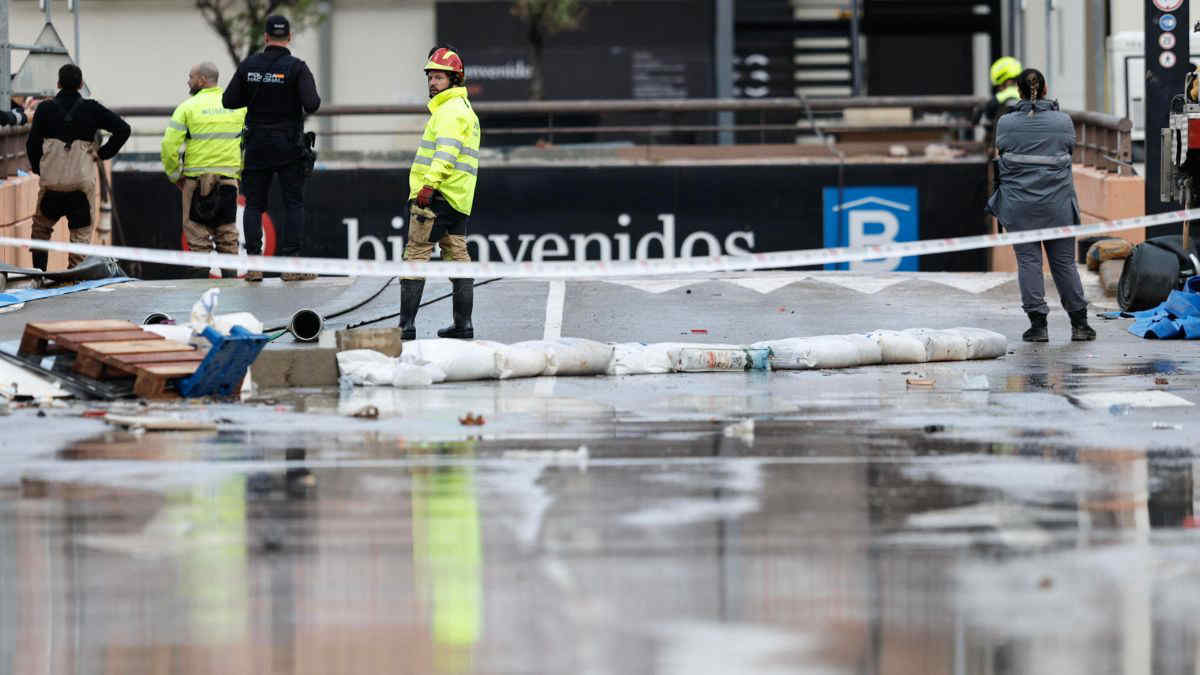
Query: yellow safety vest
point(448, 156)
point(213, 135)
point(1008, 94)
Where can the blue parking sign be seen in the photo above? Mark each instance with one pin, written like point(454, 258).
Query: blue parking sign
point(871, 216)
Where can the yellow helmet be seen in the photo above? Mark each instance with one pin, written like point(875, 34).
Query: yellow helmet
point(1005, 68)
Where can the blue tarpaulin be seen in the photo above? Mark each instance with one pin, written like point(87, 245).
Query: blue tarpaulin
point(20, 295)
point(1176, 319)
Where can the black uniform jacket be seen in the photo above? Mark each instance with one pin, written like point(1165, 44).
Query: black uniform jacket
point(278, 89)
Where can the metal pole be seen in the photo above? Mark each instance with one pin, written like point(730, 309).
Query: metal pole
point(1010, 45)
point(46, 7)
point(1021, 33)
point(5, 55)
point(855, 61)
point(75, 11)
point(1049, 36)
point(325, 84)
point(723, 65)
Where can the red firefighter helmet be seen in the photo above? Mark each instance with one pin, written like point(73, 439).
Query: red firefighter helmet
point(447, 60)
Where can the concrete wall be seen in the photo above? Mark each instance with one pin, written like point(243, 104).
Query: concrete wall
point(138, 52)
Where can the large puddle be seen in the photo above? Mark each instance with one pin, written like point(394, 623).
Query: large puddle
point(691, 544)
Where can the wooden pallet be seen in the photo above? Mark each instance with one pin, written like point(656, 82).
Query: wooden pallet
point(114, 349)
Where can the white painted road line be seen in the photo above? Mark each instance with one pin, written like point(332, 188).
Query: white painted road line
point(554, 310)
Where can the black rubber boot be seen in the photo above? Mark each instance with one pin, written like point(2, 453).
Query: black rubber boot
point(1037, 328)
point(40, 258)
point(1080, 330)
point(464, 300)
point(410, 302)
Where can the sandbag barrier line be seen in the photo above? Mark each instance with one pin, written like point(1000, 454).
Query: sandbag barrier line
point(598, 269)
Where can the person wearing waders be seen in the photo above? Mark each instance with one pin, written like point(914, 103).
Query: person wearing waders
point(62, 150)
point(1035, 190)
point(441, 190)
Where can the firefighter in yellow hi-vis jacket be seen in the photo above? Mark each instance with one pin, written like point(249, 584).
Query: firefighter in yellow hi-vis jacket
point(209, 169)
point(442, 190)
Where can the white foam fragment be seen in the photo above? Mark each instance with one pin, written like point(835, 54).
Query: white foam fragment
point(1133, 399)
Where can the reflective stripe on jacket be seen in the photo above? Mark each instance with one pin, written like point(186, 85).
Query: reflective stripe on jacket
point(213, 135)
point(1035, 186)
point(447, 157)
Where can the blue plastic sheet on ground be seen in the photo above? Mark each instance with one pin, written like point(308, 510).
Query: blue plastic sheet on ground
point(20, 295)
point(1178, 318)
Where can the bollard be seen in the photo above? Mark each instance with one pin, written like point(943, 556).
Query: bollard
point(306, 325)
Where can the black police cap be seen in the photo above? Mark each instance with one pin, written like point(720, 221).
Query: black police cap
point(278, 26)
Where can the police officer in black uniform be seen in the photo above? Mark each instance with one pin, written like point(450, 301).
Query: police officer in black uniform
point(278, 90)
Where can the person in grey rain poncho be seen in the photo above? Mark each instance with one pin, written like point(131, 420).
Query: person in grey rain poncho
point(1034, 190)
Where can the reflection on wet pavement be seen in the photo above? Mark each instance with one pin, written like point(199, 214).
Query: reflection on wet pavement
point(673, 547)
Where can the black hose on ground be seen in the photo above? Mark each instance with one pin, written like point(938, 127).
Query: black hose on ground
point(341, 312)
point(423, 304)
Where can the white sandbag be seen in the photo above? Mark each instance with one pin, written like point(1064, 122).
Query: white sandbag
point(635, 358)
point(518, 360)
point(707, 359)
point(898, 347)
point(941, 345)
point(983, 344)
point(416, 375)
point(869, 351)
point(805, 353)
point(573, 356)
point(460, 360)
point(366, 367)
point(225, 322)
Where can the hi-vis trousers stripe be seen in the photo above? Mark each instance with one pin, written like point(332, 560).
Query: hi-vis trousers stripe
point(598, 268)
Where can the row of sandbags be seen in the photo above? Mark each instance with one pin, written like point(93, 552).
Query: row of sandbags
point(428, 361)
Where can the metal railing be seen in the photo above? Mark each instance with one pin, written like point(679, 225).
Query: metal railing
point(1102, 141)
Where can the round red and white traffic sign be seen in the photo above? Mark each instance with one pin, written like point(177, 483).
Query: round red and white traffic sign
point(1166, 59)
point(1166, 40)
point(1168, 5)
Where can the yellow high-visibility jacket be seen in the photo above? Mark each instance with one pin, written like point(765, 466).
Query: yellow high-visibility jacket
point(213, 135)
point(448, 156)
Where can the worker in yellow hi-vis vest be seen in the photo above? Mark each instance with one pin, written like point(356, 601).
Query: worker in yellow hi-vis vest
point(202, 154)
point(441, 187)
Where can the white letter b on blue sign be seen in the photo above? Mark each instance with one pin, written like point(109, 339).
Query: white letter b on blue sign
point(871, 216)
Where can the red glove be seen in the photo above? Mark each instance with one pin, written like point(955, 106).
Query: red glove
point(425, 197)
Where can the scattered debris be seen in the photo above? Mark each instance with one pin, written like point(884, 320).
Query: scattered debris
point(94, 413)
point(1153, 398)
point(151, 423)
point(472, 420)
point(1045, 583)
point(743, 431)
point(1166, 426)
point(369, 412)
point(934, 428)
point(699, 331)
point(976, 383)
point(920, 382)
point(1161, 380)
point(579, 455)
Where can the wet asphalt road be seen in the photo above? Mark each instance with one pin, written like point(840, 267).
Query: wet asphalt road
point(790, 522)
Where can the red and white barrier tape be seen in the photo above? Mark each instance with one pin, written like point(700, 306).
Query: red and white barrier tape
point(596, 268)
